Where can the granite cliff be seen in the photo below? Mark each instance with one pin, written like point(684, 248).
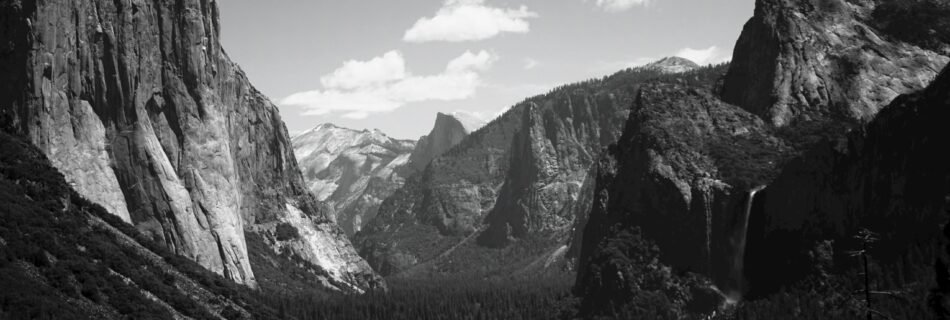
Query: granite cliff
point(510, 186)
point(689, 170)
point(827, 61)
point(679, 176)
point(137, 104)
point(64, 257)
point(890, 177)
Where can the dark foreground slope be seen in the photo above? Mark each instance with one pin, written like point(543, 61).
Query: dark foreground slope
point(63, 257)
point(891, 177)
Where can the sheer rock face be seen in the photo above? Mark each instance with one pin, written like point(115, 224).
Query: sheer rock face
point(891, 177)
point(37, 199)
point(447, 132)
point(143, 112)
point(797, 61)
point(820, 60)
point(674, 175)
point(352, 171)
point(513, 178)
point(550, 159)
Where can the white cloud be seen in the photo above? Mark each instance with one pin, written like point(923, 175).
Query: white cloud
point(530, 63)
point(359, 89)
point(711, 55)
point(620, 5)
point(471, 62)
point(469, 20)
point(354, 74)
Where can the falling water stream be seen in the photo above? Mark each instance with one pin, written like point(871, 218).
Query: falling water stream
point(734, 294)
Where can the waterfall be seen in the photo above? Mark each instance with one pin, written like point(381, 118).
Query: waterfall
point(739, 244)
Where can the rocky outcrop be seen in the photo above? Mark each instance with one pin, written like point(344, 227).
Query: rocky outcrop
point(447, 132)
point(549, 161)
point(351, 171)
point(143, 112)
point(680, 174)
point(511, 185)
point(800, 61)
point(811, 69)
point(672, 65)
point(890, 177)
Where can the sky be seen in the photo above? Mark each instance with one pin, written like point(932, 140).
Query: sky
point(392, 65)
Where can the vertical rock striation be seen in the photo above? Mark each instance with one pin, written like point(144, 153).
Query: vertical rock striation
point(511, 184)
point(801, 61)
point(807, 70)
point(678, 174)
point(143, 112)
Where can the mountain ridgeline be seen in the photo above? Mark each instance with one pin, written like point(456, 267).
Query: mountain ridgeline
point(143, 176)
point(139, 107)
point(511, 182)
point(351, 171)
point(354, 171)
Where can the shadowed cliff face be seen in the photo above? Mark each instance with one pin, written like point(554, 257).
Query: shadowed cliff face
point(510, 185)
point(803, 70)
point(824, 60)
point(550, 158)
point(674, 175)
point(890, 177)
point(139, 107)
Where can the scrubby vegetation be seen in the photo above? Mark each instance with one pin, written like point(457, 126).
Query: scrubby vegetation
point(445, 298)
point(899, 290)
point(57, 262)
point(628, 281)
point(920, 22)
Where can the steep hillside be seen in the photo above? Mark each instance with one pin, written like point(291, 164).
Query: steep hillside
point(511, 182)
point(63, 257)
point(351, 171)
point(137, 104)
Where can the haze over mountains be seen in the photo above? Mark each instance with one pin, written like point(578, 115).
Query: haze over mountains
point(143, 176)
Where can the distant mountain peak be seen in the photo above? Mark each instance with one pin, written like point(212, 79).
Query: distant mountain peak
point(351, 170)
point(448, 131)
point(469, 121)
point(672, 65)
